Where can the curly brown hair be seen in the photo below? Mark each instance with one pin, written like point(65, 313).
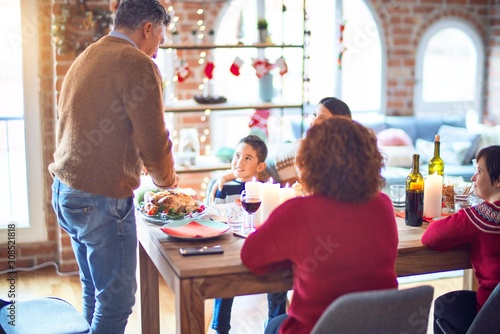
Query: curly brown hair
point(339, 158)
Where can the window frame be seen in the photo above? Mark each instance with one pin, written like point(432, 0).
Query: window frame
point(383, 62)
point(424, 108)
point(37, 231)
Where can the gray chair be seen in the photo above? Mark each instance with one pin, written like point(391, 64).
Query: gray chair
point(47, 315)
point(379, 311)
point(486, 321)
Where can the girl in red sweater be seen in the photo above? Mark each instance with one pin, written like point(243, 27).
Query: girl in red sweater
point(343, 238)
point(479, 228)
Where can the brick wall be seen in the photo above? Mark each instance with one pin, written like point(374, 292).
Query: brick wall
point(403, 23)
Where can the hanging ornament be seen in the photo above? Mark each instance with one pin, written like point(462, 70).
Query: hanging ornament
point(236, 65)
point(262, 67)
point(258, 123)
point(341, 31)
point(281, 64)
point(339, 61)
point(209, 67)
point(183, 71)
point(341, 44)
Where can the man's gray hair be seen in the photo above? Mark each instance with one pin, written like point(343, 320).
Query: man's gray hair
point(133, 14)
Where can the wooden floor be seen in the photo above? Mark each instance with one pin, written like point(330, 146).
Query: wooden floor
point(249, 312)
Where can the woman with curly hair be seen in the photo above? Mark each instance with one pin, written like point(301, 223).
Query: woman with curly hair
point(340, 239)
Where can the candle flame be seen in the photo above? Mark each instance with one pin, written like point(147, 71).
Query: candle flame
point(270, 180)
point(286, 186)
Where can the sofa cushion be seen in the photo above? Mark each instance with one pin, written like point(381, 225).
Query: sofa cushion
point(489, 136)
point(405, 123)
point(394, 137)
point(451, 153)
point(397, 156)
point(462, 140)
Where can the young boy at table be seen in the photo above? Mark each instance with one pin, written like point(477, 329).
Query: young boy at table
point(479, 228)
point(342, 238)
point(248, 160)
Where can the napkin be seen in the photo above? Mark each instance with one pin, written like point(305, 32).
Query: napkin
point(401, 214)
point(194, 230)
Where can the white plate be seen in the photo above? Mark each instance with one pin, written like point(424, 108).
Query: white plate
point(210, 223)
point(162, 219)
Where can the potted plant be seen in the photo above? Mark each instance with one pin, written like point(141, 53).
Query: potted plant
point(211, 36)
point(262, 27)
point(262, 24)
point(176, 37)
point(194, 33)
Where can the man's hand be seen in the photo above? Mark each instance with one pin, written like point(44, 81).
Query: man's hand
point(174, 184)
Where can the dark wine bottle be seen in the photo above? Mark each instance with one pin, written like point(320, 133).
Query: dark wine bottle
point(436, 164)
point(414, 209)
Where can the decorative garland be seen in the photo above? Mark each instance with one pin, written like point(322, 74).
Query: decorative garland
point(78, 26)
point(341, 44)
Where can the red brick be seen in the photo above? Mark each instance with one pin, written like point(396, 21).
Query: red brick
point(35, 249)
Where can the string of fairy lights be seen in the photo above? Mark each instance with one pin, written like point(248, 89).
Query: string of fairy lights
point(197, 35)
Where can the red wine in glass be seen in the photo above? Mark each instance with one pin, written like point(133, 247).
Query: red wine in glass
point(251, 206)
point(251, 203)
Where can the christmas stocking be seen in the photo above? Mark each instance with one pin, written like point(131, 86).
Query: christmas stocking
point(209, 67)
point(258, 122)
point(183, 71)
point(262, 67)
point(235, 66)
point(281, 64)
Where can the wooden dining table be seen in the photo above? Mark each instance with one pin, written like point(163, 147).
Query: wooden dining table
point(193, 279)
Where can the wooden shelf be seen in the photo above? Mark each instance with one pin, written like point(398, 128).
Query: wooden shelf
point(203, 164)
point(226, 46)
point(192, 106)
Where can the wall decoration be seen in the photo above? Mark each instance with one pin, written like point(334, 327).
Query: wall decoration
point(78, 26)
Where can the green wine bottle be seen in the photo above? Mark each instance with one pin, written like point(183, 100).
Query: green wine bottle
point(436, 164)
point(414, 208)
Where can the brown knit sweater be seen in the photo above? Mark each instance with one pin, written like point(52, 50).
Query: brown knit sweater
point(111, 121)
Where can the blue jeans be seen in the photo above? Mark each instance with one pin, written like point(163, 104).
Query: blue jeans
point(457, 308)
point(222, 310)
point(274, 325)
point(104, 239)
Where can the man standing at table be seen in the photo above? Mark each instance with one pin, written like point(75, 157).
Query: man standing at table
point(111, 126)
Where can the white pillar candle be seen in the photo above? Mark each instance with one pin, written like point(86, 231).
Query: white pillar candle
point(433, 195)
point(286, 193)
point(253, 186)
point(270, 198)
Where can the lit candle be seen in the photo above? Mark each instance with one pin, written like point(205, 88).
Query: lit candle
point(286, 193)
point(253, 186)
point(270, 198)
point(433, 195)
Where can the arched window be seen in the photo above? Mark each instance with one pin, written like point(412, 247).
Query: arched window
point(359, 77)
point(449, 71)
point(362, 66)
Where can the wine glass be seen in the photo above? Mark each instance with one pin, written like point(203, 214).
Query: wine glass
point(250, 201)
